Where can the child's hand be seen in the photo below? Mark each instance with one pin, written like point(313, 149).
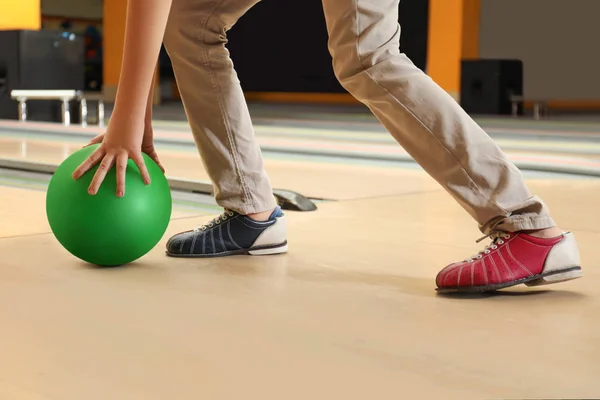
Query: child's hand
point(147, 145)
point(124, 138)
point(117, 147)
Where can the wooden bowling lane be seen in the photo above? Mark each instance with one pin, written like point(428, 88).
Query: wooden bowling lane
point(324, 180)
point(342, 177)
point(349, 313)
point(23, 212)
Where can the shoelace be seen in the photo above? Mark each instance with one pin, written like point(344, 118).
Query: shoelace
point(216, 221)
point(498, 239)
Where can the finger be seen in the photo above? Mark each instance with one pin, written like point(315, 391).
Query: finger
point(89, 163)
point(154, 157)
point(139, 161)
point(121, 169)
point(103, 168)
point(96, 140)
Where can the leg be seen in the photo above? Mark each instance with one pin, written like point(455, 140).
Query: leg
point(364, 40)
point(424, 119)
point(212, 96)
point(66, 112)
point(83, 111)
point(22, 109)
point(195, 39)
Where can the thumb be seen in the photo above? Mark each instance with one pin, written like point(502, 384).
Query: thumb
point(154, 156)
point(96, 140)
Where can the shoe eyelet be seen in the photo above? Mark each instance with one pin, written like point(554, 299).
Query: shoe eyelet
point(494, 247)
point(507, 237)
point(487, 252)
point(479, 257)
point(500, 241)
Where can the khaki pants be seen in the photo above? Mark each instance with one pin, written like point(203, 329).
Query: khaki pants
point(364, 42)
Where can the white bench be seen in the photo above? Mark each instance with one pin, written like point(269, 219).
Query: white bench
point(540, 106)
point(83, 114)
point(65, 96)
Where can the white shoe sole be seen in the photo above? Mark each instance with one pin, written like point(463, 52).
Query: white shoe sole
point(558, 277)
point(268, 251)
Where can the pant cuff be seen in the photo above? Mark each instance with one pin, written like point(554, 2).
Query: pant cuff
point(245, 208)
point(517, 223)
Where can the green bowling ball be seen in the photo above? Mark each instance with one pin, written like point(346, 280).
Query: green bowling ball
point(104, 229)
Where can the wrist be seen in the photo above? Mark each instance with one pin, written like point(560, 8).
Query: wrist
point(127, 118)
point(127, 115)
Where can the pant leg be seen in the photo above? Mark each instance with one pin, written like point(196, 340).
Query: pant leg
point(195, 39)
point(364, 40)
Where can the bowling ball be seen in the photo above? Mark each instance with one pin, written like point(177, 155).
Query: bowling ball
point(104, 229)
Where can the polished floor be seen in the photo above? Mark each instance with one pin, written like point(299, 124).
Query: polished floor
point(350, 312)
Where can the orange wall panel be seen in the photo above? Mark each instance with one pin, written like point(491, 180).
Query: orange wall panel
point(453, 35)
point(20, 14)
point(115, 12)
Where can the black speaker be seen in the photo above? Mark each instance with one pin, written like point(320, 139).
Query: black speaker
point(487, 85)
point(3, 81)
point(41, 60)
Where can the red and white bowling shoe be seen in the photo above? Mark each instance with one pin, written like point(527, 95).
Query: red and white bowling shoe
point(512, 259)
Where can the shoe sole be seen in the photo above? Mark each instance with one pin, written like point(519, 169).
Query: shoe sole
point(547, 278)
point(253, 251)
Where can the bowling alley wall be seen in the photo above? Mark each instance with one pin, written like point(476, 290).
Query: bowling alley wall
point(80, 14)
point(282, 47)
point(557, 40)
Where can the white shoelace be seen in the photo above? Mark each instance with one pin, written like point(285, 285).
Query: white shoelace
point(498, 239)
point(216, 221)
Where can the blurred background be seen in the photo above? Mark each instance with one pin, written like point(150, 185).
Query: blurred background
point(525, 70)
point(480, 51)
